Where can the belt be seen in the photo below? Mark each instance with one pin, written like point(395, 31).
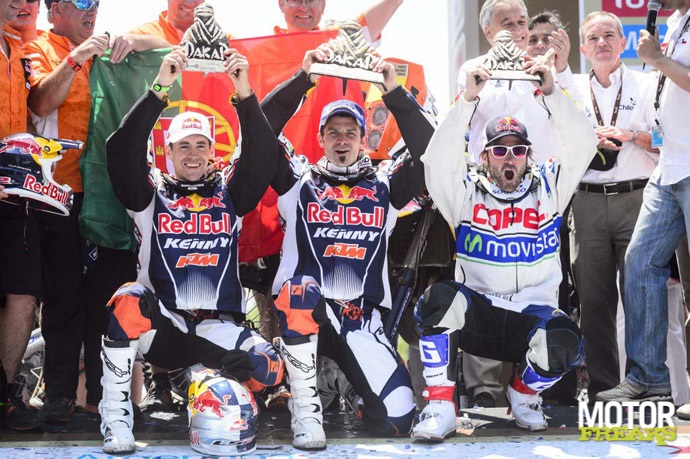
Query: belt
point(613, 188)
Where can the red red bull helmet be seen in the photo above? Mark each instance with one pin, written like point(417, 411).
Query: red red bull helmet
point(27, 163)
point(223, 416)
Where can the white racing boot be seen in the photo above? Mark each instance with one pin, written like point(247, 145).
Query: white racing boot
point(526, 409)
point(439, 355)
point(304, 403)
point(115, 407)
point(437, 420)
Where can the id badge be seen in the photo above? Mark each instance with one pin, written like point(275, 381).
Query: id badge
point(657, 137)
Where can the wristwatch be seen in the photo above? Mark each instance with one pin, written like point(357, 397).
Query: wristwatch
point(160, 88)
point(636, 134)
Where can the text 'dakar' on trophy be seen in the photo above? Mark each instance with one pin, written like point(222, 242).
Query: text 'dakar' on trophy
point(205, 42)
point(349, 56)
point(505, 60)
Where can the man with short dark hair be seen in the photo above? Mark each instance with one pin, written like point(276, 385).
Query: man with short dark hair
point(187, 304)
point(507, 215)
point(332, 283)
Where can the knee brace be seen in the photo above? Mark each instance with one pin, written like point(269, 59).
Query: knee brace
point(443, 305)
point(268, 367)
point(556, 346)
point(300, 308)
point(131, 312)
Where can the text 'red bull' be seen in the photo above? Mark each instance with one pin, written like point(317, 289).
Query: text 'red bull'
point(196, 224)
point(345, 216)
point(50, 190)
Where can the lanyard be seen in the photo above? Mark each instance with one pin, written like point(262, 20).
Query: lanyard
point(669, 52)
point(595, 105)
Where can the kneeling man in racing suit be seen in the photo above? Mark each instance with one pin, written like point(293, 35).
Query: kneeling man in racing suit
point(506, 213)
point(184, 306)
point(332, 282)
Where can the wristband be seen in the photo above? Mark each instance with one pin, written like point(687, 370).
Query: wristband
point(160, 88)
point(72, 63)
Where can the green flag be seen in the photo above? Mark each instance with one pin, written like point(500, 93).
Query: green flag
point(114, 89)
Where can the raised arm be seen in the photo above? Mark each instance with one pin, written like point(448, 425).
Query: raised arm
point(259, 150)
point(378, 15)
point(127, 147)
point(416, 128)
point(285, 99)
point(50, 88)
point(649, 51)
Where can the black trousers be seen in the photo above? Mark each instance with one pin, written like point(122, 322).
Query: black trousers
point(62, 323)
point(111, 269)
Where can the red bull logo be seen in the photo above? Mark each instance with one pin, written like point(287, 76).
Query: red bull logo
point(24, 145)
point(345, 216)
point(196, 203)
point(192, 123)
point(195, 224)
point(50, 190)
point(508, 124)
point(207, 400)
point(345, 195)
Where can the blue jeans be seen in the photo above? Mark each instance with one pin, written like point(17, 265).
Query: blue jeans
point(664, 217)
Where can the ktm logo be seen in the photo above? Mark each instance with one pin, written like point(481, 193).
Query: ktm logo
point(351, 251)
point(197, 259)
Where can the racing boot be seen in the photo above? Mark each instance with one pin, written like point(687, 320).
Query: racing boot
point(305, 404)
point(116, 405)
point(437, 420)
point(524, 399)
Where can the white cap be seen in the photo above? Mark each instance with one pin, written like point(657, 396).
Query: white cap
point(189, 123)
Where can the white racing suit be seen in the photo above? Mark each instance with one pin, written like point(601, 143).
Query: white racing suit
point(504, 301)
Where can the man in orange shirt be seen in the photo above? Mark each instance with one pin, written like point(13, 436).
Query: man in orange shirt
point(171, 25)
point(60, 100)
point(20, 268)
point(25, 23)
point(305, 15)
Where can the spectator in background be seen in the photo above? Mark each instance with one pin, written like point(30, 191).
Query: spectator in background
point(20, 268)
point(546, 31)
point(605, 207)
point(664, 218)
point(60, 100)
point(305, 15)
point(26, 21)
point(171, 25)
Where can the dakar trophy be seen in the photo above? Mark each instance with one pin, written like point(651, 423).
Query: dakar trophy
point(349, 56)
point(505, 60)
point(205, 42)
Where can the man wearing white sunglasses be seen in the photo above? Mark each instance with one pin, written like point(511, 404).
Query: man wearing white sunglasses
point(507, 216)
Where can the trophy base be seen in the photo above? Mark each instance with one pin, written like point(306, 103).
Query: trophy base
point(205, 65)
point(350, 73)
point(512, 75)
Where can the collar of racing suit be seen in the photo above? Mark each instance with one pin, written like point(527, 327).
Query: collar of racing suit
point(203, 187)
point(361, 168)
point(530, 182)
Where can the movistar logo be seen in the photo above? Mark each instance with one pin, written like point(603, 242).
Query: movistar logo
point(475, 241)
